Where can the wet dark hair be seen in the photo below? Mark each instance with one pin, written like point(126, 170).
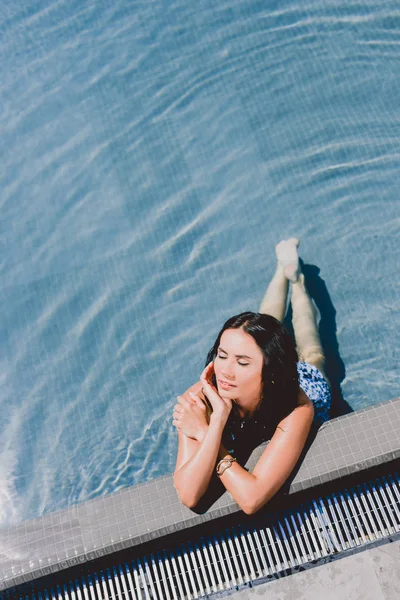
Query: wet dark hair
point(280, 384)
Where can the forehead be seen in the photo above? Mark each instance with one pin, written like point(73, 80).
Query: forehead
point(238, 341)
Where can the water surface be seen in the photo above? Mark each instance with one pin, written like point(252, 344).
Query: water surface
point(152, 154)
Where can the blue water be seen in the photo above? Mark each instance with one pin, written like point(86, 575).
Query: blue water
point(152, 154)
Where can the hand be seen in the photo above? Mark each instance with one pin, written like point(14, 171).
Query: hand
point(191, 416)
point(221, 406)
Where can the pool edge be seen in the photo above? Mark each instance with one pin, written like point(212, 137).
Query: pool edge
point(138, 514)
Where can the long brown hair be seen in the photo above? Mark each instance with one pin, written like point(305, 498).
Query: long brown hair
point(280, 384)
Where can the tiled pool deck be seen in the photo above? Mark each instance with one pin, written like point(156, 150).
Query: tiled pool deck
point(354, 442)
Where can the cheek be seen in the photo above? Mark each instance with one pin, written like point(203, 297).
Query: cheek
point(254, 380)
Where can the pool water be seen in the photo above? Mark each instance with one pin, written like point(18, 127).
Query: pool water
point(152, 155)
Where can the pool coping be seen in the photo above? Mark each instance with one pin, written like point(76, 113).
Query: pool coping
point(138, 514)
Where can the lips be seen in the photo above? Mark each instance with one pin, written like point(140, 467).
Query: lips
point(225, 384)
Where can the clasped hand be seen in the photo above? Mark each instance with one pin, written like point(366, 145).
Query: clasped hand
point(192, 414)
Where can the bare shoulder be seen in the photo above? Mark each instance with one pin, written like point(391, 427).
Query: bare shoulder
point(303, 413)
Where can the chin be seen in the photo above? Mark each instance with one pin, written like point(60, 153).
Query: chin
point(228, 393)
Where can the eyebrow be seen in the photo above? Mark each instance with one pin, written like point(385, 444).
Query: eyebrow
point(237, 355)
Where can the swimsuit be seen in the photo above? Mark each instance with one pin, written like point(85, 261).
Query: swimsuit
point(315, 386)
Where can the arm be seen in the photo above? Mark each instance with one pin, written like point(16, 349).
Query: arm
point(196, 463)
point(199, 440)
point(252, 490)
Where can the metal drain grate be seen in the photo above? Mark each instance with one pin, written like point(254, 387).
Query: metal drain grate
point(238, 555)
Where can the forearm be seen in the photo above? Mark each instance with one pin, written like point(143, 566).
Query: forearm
point(242, 485)
point(192, 479)
point(253, 490)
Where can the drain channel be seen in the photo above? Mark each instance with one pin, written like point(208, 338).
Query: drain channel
point(241, 554)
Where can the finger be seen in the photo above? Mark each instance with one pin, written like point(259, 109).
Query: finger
point(197, 401)
point(177, 407)
point(210, 367)
point(207, 385)
point(205, 382)
point(206, 370)
point(204, 375)
point(210, 372)
point(176, 424)
point(182, 400)
point(212, 396)
point(204, 399)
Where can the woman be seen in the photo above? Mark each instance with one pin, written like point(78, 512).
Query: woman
point(254, 389)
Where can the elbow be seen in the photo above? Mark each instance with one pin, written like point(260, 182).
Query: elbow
point(186, 496)
point(253, 505)
point(250, 508)
point(188, 500)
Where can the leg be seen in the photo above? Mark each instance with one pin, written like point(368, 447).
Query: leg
point(305, 327)
point(274, 301)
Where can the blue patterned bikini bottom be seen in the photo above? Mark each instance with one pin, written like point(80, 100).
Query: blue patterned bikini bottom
point(315, 386)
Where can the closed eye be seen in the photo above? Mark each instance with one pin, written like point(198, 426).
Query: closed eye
point(239, 363)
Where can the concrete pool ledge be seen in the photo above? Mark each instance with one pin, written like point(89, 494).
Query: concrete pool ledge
point(135, 515)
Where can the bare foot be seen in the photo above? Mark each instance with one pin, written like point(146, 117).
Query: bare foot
point(288, 258)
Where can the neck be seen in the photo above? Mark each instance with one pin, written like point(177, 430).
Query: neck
point(245, 413)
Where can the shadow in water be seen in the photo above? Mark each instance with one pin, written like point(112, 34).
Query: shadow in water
point(334, 366)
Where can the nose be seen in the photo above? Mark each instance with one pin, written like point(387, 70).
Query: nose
point(227, 373)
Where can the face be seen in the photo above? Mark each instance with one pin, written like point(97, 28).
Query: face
point(238, 366)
